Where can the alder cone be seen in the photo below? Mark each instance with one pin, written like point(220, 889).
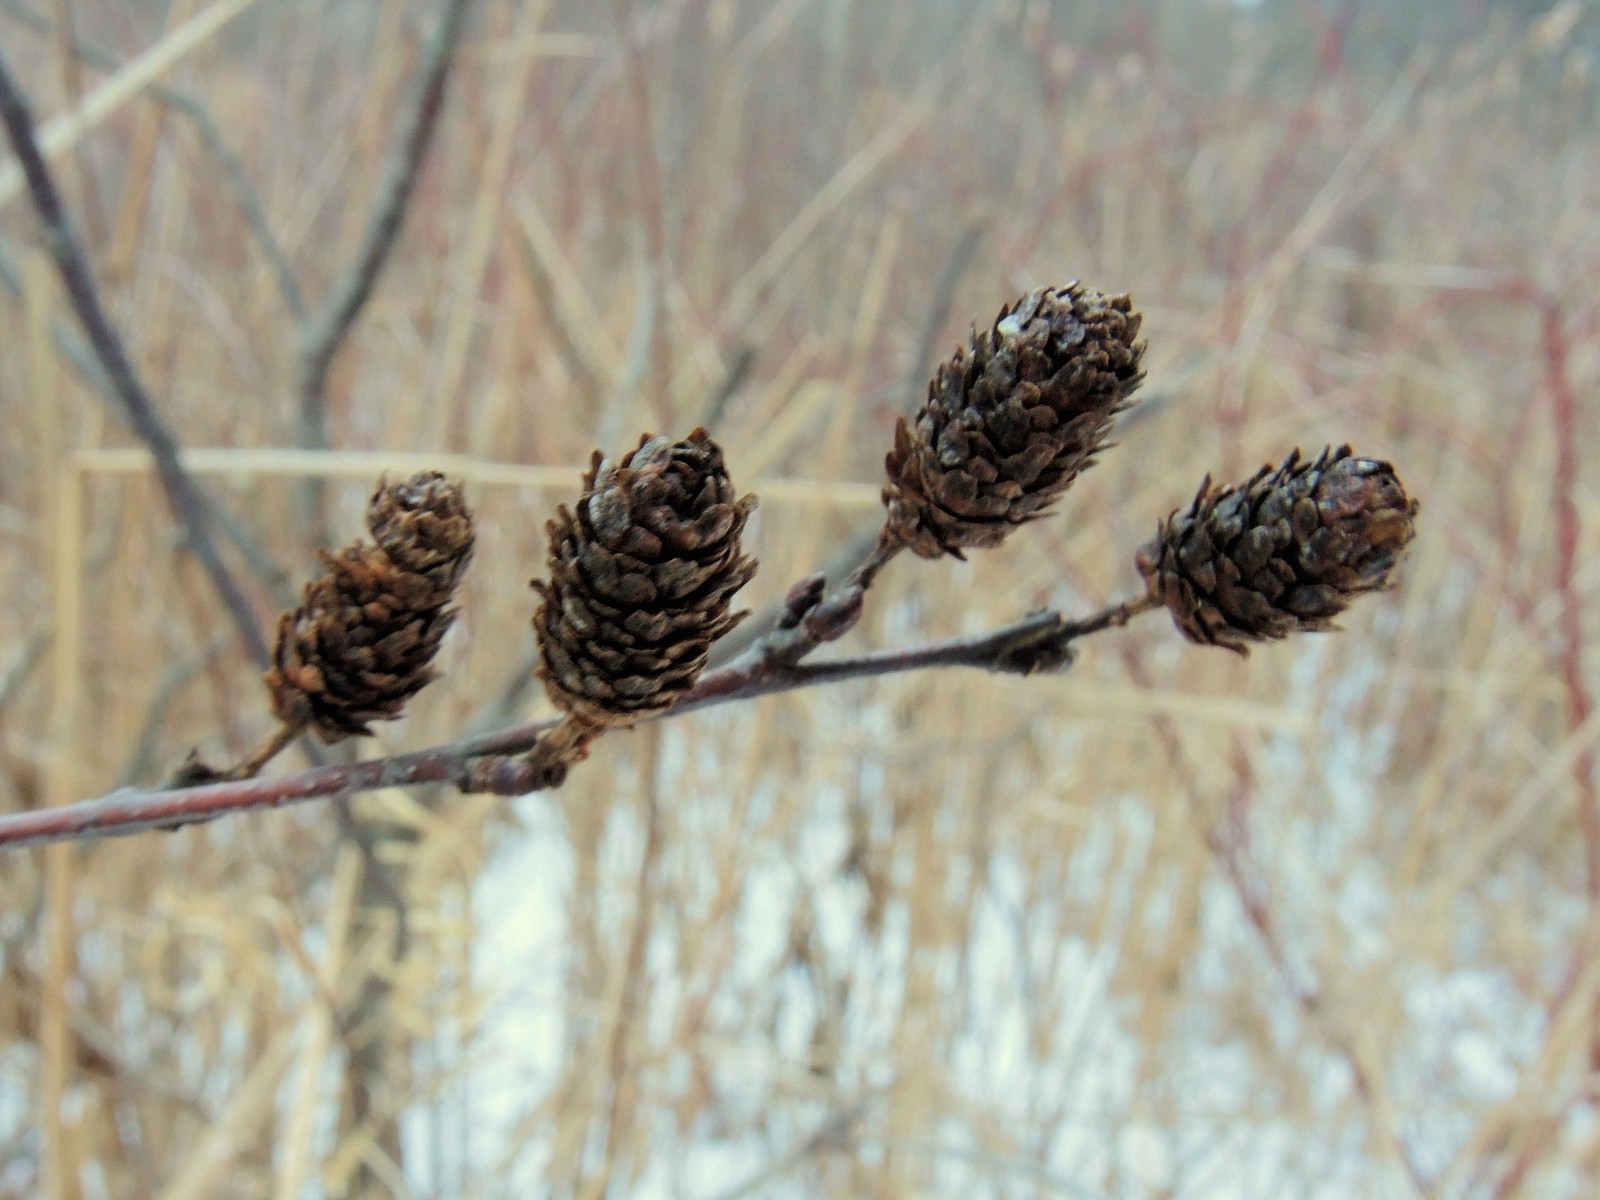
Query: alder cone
point(363, 640)
point(1283, 553)
point(1012, 419)
point(641, 575)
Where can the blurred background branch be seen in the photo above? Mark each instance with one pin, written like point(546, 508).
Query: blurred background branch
point(324, 331)
point(1162, 925)
point(188, 503)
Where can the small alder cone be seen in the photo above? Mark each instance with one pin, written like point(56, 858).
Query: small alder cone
point(1012, 419)
point(1283, 553)
point(641, 576)
point(363, 640)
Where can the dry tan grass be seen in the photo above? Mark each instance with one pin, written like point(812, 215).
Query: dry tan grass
point(1173, 925)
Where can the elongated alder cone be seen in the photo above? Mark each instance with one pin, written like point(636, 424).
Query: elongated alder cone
point(1012, 419)
point(1283, 553)
point(641, 576)
point(363, 640)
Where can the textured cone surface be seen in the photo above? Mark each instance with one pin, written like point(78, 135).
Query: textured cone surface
point(424, 526)
point(1012, 419)
point(1283, 553)
point(641, 576)
point(363, 640)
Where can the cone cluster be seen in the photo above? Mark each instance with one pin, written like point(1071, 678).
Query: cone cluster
point(642, 570)
point(363, 640)
point(641, 576)
point(1285, 552)
point(1012, 419)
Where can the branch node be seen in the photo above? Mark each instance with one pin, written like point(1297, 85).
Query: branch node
point(194, 771)
point(543, 767)
point(502, 775)
point(1038, 655)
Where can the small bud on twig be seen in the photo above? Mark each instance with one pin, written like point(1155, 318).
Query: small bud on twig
point(836, 615)
point(804, 595)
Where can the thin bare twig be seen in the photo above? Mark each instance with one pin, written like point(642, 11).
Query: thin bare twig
point(753, 629)
point(831, 1132)
point(740, 364)
point(813, 613)
point(813, 616)
point(1039, 642)
point(322, 336)
point(233, 173)
point(1564, 409)
point(17, 673)
point(1229, 849)
point(187, 501)
point(78, 353)
point(944, 291)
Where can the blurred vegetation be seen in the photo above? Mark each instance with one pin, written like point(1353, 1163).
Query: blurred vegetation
point(1318, 924)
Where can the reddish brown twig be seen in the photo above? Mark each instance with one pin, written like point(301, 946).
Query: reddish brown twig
point(1039, 642)
point(1564, 483)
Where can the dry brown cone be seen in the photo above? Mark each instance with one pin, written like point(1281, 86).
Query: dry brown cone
point(641, 577)
point(363, 640)
point(1012, 419)
point(1283, 553)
